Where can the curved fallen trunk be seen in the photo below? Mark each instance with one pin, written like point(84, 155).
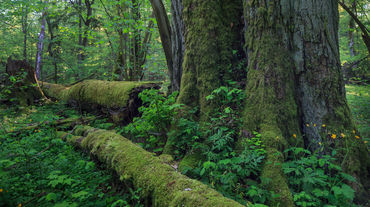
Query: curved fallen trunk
point(159, 181)
point(117, 99)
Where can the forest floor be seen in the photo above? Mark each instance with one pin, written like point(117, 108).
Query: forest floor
point(359, 101)
point(39, 169)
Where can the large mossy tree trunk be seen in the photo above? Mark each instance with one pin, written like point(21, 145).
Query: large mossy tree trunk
point(213, 45)
point(295, 92)
point(295, 87)
point(212, 34)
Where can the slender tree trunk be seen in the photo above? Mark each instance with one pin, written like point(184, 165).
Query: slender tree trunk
point(80, 50)
point(25, 32)
point(164, 28)
point(351, 30)
point(51, 49)
point(40, 46)
point(178, 43)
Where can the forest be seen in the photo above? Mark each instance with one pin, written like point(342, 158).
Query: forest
point(118, 103)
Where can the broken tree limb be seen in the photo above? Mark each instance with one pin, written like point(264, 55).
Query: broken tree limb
point(160, 182)
point(118, 99)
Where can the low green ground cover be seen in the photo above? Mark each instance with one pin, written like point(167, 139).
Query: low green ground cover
point(358, 97)
point(39, 169)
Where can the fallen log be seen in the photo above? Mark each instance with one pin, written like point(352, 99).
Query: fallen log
point(117, 99)
point(159, 181)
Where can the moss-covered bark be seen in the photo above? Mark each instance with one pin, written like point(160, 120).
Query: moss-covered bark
point(212, 33)
point(295, 90)
point(118, 99)
point(313, 36)
point(158, 180)
point(270, 104)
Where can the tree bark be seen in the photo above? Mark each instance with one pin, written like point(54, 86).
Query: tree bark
point(164, 28)
point(295, 85)
point(51, 50)
point(351, 25)
point(25, 32)
point(178, 43)
point(212, 34)
point(40, 46)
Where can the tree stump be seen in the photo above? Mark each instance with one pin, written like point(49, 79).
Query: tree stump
point(22, 84)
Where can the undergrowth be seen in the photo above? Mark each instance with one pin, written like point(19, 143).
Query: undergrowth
point(39, 169)
point(230, 165)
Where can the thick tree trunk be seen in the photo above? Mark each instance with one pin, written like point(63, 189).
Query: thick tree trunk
point(212, 34)
point(320, 85)
point(178, 43)
point(295, 85)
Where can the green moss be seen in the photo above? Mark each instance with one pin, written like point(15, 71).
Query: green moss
point(158, 180)
point(212, 34)
point(190, 161)
point(103, 93)
point(270, 106)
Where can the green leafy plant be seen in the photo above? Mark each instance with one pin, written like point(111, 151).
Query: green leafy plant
point(157, 114)
point(40, 169)
point(316, 180)
point(231, 167)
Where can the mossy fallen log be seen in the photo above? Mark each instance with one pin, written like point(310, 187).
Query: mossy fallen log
point(118, 99)
point(161, 184)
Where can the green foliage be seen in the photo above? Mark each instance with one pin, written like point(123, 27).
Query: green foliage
point(316, 181)
point(359, 101)
point(14, 83)
point(233, 172)
point(38, 168)
point(157, 114)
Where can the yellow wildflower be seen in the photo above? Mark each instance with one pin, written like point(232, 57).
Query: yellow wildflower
point(314, 125)
point(357, 137)
point(323, 125)
point(294, 135)
point(20, 205)
point(319, 143)
point(354, 131)
point(1, 190)
point(342, 135)
point(307, 125)
point(365, 142)
point(333, 136)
